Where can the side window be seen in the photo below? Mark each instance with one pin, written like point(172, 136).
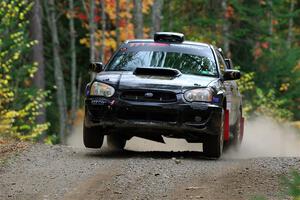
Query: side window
point(221, 63)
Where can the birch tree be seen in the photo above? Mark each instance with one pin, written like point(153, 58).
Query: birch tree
point(291, 23)
point(138, 19)
point(118, 22)
point(58, 72)
point(92, 26)
point(156, 15)
point(103, 29)
point(73, 63)
point(127, 18)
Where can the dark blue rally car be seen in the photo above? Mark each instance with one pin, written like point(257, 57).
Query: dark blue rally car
point(164, 87)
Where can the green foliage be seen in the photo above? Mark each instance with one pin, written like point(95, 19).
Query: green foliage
point(264, 50)
point(246, 83)
point(19, 100)
point(246, 86)
point(258, 102)
point(268, 104)
point(52, 139)
point(292, 182)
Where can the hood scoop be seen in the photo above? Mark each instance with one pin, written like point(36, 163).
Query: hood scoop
point(157, 71)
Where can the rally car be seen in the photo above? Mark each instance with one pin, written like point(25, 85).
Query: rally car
point(168, 87)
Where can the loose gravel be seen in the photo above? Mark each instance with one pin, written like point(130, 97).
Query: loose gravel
point(61, 172)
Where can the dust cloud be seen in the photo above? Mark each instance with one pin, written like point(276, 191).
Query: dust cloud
point(263, 138)
point(266, 138)
point(75, 139)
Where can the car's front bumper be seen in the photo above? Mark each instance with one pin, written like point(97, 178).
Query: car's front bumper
point(178, 119)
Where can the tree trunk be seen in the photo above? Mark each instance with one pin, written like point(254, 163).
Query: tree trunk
point(291, 23)
point(225, 29)
point(118, 23)
point(78, 92)
point(170, 15)
point(58, 74)
point(36, 33)
point(156, 15)
point(271, 18)
point(127, 17)
point(103, 29)
point(92, 31)
point(73, 64)
point(138, 19)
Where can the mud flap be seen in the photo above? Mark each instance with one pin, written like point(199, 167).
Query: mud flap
point(242, 128)
point(226, 126)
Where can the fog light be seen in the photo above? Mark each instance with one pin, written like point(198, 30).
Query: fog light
point(198, 119)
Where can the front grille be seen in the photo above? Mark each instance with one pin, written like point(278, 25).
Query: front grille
point(149, 96)
point(147, 115)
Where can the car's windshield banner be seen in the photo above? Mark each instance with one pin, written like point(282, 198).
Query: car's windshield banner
point(165, 47)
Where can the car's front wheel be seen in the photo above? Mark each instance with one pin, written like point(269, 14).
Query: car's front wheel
point(213, 145)
point(92, 137)
point(116, 142)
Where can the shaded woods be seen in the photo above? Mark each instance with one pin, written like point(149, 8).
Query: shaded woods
point(46, 47)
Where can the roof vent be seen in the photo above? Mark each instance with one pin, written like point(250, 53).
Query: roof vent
point(168, 37)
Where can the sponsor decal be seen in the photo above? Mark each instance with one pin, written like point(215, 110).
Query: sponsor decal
point(148, 44)
point(216, 100)
point(99, 101)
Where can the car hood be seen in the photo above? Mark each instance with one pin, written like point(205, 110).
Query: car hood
point(128, 80)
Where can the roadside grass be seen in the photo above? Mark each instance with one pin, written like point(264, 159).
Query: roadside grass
point(290, 184)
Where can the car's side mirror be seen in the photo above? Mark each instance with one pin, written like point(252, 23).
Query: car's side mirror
point(232, 74)
point(228, 62)
point(96, 67)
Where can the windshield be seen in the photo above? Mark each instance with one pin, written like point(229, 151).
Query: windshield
point(184, 62)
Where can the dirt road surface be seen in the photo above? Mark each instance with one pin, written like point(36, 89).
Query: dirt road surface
point(148, 170)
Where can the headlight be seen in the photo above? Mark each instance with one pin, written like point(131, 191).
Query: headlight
point(101, 89)
point(201, 94)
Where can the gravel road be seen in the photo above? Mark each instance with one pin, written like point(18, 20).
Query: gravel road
point(64, 172)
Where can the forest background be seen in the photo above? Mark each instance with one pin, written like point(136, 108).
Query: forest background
point(46, 46)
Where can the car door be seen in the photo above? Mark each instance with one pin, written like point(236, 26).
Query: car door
point(237, 98)
point(231, 91)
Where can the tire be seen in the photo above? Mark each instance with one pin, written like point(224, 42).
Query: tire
point(237, 140)
point(116, 142)
point(92, 137)
point(213, 145)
